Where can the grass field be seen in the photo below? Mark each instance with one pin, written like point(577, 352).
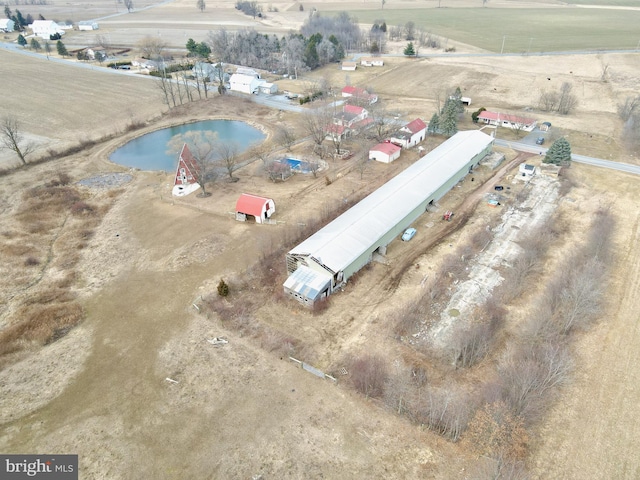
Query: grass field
point(524, 30)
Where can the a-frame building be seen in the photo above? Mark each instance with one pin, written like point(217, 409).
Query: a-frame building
point(187, 174)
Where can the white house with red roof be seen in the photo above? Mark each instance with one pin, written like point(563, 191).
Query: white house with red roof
point(385, 152)
point(507, 120)
point(187, 174)
point(352, 119)
point(260, 208)
point(411, 134)
point(359, 95)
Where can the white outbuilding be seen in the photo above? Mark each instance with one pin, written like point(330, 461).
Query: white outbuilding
point(240, 82)
point(46, 28)
point(7, 25)
point(88, 25)
point(385, 152)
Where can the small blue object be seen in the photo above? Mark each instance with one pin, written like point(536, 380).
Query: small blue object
point(408, 234)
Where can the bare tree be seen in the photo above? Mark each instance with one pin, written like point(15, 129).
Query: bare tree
point(629, 107)
point(548, 101)
point(227, 153)
point(11, 138)
point(567, 101)
point(497, 433)
point(201, 5)
point(368, 374)
point(382, 125)
point(129, 5)
point(103, 41)
point(152, 47)
point(530, 374)
point(203, 146)
point(316, 122)
point(285, 136)
point(410, 31)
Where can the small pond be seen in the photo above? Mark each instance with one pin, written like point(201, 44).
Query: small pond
point(149, 152)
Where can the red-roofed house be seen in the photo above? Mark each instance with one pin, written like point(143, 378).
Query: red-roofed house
point(507, 120)
point(385, 152)
point(359, 95)
point(249, 205)
point(411, 134)
point(352, 118)
point(187, 173)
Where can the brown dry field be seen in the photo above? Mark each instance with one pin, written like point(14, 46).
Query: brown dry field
point(242, 410)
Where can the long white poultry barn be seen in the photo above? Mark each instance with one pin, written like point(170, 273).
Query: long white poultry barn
point(327, 259)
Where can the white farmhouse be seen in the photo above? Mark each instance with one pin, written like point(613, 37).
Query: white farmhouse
point(411, 134)
point(45, 28)
point(6, 25)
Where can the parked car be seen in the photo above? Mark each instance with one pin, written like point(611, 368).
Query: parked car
point(408, 234)
point(540, 141)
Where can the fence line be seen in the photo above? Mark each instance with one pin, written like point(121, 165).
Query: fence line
point(313, 370)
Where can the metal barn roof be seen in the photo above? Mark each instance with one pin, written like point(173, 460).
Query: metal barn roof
point(307, 282)
point(347, 237)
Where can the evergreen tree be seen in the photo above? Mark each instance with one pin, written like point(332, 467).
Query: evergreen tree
point(449, 117)
point(383, 27)
point(559, 153)
point(434, 124)
point(62, 50)
point(35, 44)
point(203, 50)
point(21, 40)
point(409, 51)
point(7, 11)
point(191, 46)
point(20, 19)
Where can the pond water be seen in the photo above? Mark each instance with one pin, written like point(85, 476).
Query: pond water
point(149, 152)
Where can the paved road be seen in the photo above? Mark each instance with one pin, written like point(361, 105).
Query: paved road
point(596, 162)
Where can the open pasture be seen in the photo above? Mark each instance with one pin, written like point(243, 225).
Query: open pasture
point(523, 30)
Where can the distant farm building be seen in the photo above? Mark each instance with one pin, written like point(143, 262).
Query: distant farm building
point(187, 174)
point(268, 88)
point(254, 207)
point(240, 82)
point(358, 95)
point(87, 25)
point(371, 62)
point(6, 25)
point(336, 252)
point(349, 66)
point(45, 28)
point(527, 170)
point(385, 152)
point(209, 72)
point(507, 120)
point(411, 134)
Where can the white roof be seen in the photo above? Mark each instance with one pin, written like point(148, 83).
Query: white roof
point(343, 240)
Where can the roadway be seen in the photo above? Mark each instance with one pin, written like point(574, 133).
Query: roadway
point(596, 162)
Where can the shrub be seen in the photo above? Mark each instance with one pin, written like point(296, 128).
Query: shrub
point(223, 288)
point(31, 262)
point(368, 374)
